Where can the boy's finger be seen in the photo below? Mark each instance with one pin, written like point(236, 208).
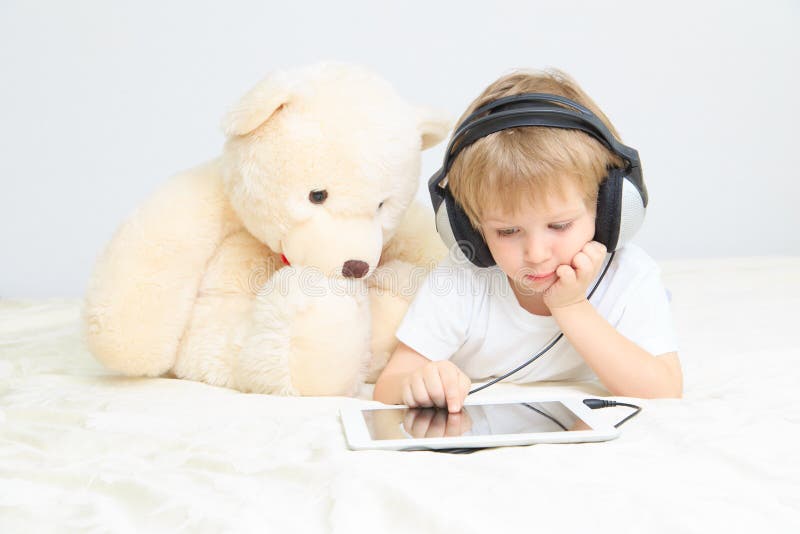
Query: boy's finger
point(420, 392)
point(597, 251)
point(599, 248)
point(433, 384)
point(582, 262)
point(566, 274)
point(449, 376)
point(408, 397)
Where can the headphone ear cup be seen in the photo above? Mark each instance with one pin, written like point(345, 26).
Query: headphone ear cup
point(468, 239)
point(632, 209)
point(609, 200)
point(620, 210)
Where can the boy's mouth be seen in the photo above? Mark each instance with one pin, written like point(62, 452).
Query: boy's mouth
point(539, 277)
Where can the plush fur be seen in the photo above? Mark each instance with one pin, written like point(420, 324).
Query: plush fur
point(193, 284)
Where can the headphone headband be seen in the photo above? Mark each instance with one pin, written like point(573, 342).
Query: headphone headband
point(556, 117)
point(532, 98)
point(532, 109)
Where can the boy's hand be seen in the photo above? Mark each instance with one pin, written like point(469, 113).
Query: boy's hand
point(439, 384)
point(573, 280)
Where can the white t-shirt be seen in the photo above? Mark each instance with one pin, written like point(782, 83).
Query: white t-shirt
point(471, 316)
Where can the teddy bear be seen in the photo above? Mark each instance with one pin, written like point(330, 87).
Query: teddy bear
point(285, 264)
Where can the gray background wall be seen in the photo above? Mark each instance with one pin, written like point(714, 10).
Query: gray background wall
point(101, 101)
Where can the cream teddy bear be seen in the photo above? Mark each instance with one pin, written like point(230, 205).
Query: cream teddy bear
point(285, 265)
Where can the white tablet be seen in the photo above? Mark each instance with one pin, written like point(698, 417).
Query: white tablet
point(478, 425)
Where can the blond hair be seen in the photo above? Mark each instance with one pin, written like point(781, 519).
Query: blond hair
point(522, 166)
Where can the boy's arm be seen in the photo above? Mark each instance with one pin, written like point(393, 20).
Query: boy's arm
point(623, 367)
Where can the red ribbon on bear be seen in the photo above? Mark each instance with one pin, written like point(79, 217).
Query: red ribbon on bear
point(284, 260)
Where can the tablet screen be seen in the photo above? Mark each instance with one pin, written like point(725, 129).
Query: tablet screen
point(476, 420)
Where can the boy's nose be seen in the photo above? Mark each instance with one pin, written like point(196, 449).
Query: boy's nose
point(537, 251)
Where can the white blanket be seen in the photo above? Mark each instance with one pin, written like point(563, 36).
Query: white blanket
point(83, 450)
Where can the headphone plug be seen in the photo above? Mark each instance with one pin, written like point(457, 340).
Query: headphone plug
point(599, 403)
point(602, 403)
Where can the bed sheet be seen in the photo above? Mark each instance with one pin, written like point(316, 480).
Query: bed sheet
point(84, 450)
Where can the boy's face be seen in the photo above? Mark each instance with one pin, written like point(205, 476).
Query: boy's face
point(530, 245)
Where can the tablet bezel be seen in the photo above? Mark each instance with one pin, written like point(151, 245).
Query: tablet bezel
point(358, 437)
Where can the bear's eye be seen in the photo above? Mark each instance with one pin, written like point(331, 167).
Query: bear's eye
point(381, 204)
point(318, 196)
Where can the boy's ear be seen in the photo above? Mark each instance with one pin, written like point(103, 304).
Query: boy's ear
point(258, 105)
point(433, 126)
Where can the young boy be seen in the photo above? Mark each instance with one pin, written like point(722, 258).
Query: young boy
point(532, 193)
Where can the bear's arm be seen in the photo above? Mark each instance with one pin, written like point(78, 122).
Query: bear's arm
point(140, 297)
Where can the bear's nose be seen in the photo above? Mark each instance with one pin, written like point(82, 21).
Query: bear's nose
point(354, 269)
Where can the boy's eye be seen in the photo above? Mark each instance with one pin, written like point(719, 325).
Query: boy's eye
point(560, 227)
point(505, 232)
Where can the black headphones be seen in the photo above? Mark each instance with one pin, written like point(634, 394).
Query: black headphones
point(621, 199)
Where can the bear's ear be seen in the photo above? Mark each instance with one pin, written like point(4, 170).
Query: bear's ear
point(433, 126)
point(258, 105)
